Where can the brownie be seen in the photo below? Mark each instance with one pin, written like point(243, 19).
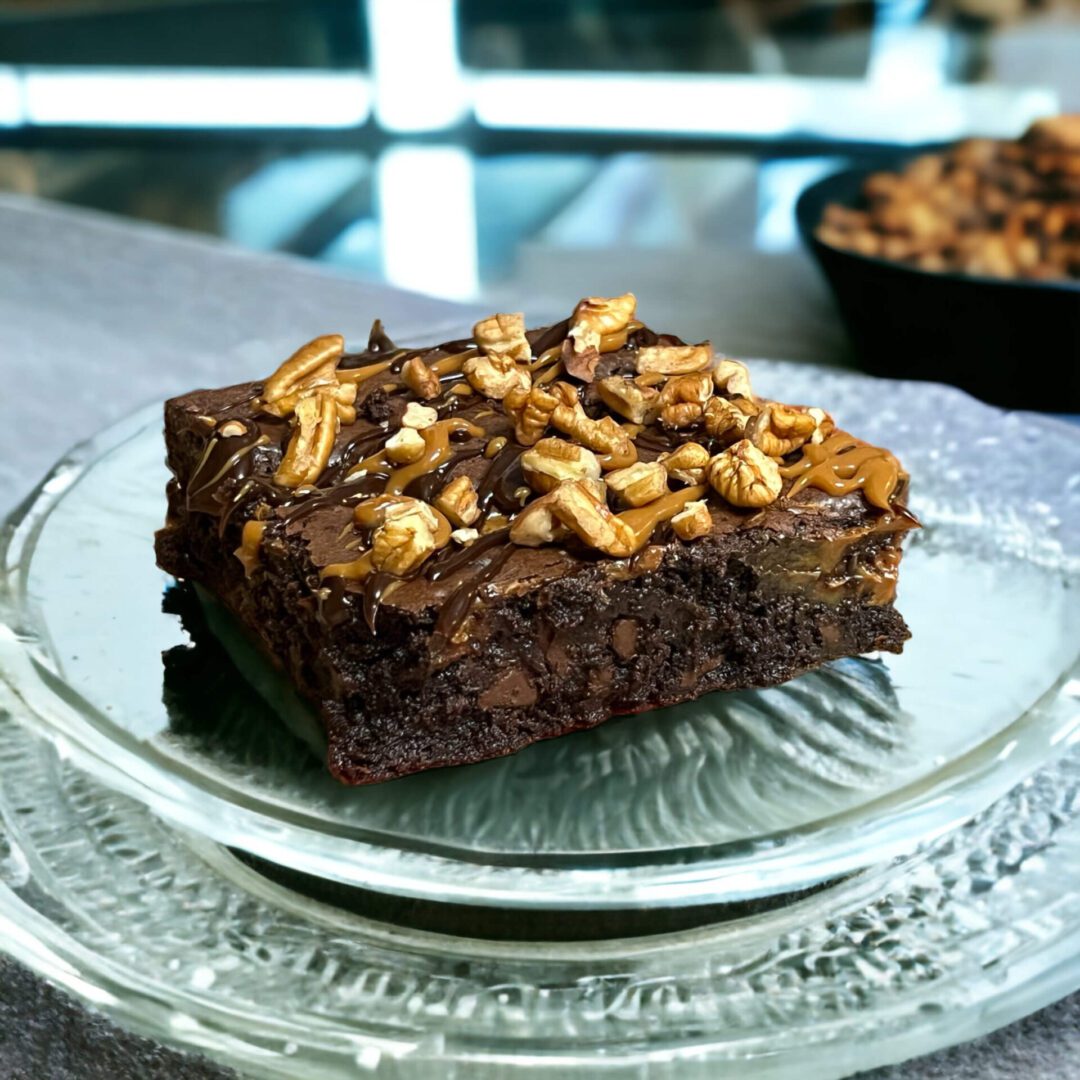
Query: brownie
point(459, 550)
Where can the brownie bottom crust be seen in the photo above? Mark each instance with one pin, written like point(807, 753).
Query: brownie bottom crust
point(560, 658)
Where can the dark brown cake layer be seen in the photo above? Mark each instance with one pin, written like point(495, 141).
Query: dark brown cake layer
point(488, 644)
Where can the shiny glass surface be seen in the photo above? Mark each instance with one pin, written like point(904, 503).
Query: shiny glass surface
point(728, 798)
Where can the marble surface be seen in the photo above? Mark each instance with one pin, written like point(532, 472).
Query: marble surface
point(98, 317)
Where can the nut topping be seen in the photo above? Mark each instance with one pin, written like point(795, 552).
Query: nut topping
point(596, 316)
point(692, 521)
point(732, 378)
point(420, 379)
point(418, 416)
point(312, 441)
point(726, 418)
point(779, 429)
point(745, 476)
point(638, 404)
point(496, 376)
point(231, 428)
point(551, 461)
point(683, 398)
point(405, 446)
point(531, 408)
point(405, 539)
point(674, 359)
point(458, 501)
point(688, 464)
point(503, 335)
point(603, 436)
point(639, 484)
point(464, 536)
point(576, 506)
point(311, 366)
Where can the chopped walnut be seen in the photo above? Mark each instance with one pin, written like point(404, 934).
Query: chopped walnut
point(674, 359)
point(693, 521)
point(531, 409)
point(405, 538)
point(420, 379)
point(496, 376)
point(726, 418)
point(639, 484)
point(312, 441)
point(405, 446)
point(580, 364)
point(503, 335)
point(576, 506)
point(779, 429)
point(551, 461)
point(689, 463)
point(418, 416)
point(458, 502)
point(231, 428)
point(683, 398)
point(732, 378)
point(596, 316)
point(745, 476)
point(824, 425)
point(465, 537)
point(638, 404)
point(603, 436)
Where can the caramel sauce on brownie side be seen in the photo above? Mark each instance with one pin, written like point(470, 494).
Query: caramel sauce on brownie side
point(594, 434)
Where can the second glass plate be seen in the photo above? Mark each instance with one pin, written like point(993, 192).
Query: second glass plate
point(731, 797)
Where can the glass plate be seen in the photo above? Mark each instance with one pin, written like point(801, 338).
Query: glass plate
point(731, 797)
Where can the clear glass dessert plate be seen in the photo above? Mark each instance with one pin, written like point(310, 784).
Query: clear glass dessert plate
point(732, 797)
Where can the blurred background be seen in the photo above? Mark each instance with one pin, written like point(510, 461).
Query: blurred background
point(518, 153)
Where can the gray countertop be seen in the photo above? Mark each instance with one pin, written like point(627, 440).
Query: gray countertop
point(98, 317)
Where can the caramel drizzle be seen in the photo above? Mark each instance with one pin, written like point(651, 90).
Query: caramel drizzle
point(644, 520)
point(843, 464)
point(437, 452)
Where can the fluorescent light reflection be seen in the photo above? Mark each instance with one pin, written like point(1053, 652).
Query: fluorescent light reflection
point(179, 98)
point(754, 106)
point(427, 211)
point(418, 79)
point(11, 112)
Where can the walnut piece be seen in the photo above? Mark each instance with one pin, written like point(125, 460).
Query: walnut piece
point(312, 441)
point(744, 476)
point(418, 416)
point(405, 446)
point(580, 364)
point(576, 506)
point(503, 335)
point(496, 376)
point(603, 436)
point(596, 316)
point(689, 463)
point(732, 378)
point(639, 484)
point(458, 502)
point(551, 461)
point(231, 428)
point(638, 404)
point(673, 359)
point(406, 531)
point(311, 366)
point(779, 429)
point(420, 379)
point(824, 425)
point(692, 521)
point(465, 536)
point(683, 398)
point(726, 418)
point(531, 409)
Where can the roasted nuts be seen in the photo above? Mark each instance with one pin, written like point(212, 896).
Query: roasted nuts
point(312, 441)
point(638, 404)
point(598, 316)
point(682, 400)
point(673, 359)
point(693, 521)
point(640, 484)
point(458, 501)
point(531, 408)
point(779, 429)
point(726, 418)
point(574, 505)
point(418, 416)
point(503, 335)
point(311, 366)
point(405, 446)
point(496, 375)
point(552, 461)
point(744, 476)
point(420, 379)
point(732, 378)
point(688, 464)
